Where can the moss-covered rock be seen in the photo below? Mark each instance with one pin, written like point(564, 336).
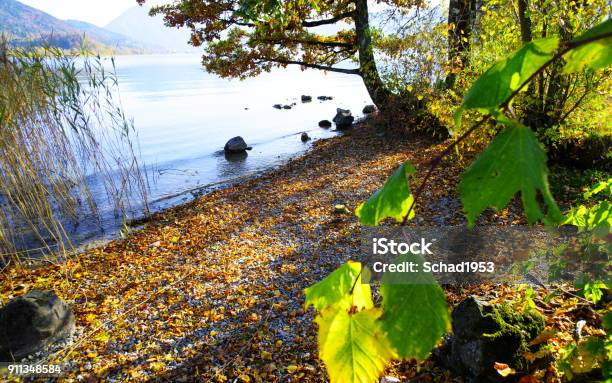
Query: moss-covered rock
point(484, 334)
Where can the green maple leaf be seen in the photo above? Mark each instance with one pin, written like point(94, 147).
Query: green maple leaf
point(506, 76)
point(593, 55)
point(415, 311)
point(392, 201)
point(513, 162)
point(337, 286)
point(352, 345)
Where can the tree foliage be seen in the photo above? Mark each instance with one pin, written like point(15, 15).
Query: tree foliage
point(414, 314)
point(244, 38)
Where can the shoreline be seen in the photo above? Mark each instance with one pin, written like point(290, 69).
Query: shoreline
point(102, 238)
point(230, 267)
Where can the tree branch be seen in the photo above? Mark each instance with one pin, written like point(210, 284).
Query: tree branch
point(333, 20)
point(314, 66)
point(239, 23)
point(308, 42)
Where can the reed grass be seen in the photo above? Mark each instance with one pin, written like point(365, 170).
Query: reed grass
point(61, 123)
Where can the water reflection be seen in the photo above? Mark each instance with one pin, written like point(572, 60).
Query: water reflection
point(235, 158)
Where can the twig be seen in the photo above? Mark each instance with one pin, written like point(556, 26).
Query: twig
point(433, 164)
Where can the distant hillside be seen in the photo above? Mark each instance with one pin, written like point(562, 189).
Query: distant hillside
point(107, 37)
point(28, 25)
point(24, 21)
point(137, 23)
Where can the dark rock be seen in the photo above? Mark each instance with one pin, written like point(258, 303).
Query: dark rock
point(369, 109)
point(236, 157)
point(236, 145)
point(343, 119)
point(277, 106)
point(287, 106)
point(306, 98)
point(325, 124)
point(30, 322)
point(484, 334)
point(325, 98)
point(305, 137)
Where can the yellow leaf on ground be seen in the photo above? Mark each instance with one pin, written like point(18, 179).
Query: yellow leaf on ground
point(157, 366)
point(266, 355)
point(503, 369)
point(292, 368)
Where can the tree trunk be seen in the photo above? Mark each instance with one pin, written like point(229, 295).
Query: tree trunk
point(558, 83)
point(525, 21)
point(461, 15)
point(367, 65)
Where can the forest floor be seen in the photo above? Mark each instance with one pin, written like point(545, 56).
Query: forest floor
point(213, 290)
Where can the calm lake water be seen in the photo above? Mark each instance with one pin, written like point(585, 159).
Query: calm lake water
point(184, 116)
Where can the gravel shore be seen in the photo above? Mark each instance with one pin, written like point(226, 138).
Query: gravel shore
point(212, 290)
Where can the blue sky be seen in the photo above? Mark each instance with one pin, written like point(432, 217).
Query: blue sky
point(99, 12)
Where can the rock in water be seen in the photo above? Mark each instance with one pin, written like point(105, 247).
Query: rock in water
point(325, 98)
point(344, 119)
point(287, 106)
point(369, 109)
point(277, 106)
point(236, 157)
point(484, 334)
point(325, 124)
point(305, 137)
point(30, 322)
point(306, 98)
point(236, 145)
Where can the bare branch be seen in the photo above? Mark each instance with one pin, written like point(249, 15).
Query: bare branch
point(333, 20)
point(309, 42)
point(314, 66)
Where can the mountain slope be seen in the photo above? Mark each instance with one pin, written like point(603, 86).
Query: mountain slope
point(23, 21)
point(28, 25)
point(136, 23)
point(105, 36)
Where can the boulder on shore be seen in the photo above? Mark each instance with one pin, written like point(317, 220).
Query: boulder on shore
point(325, 98)
point(306, 98)
point(31, 322)
point(277, 106)
point(485, 334)
point(343, 119)
point(369, 109)
point(236, 145)
point(305, 137)
point(287, 106)
point(325, 124)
